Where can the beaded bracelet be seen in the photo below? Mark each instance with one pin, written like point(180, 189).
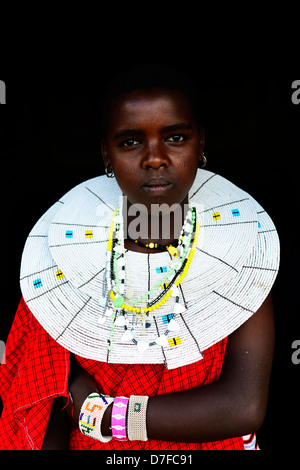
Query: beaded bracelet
point(136, 422)
point(91, 415)
point(118, 418)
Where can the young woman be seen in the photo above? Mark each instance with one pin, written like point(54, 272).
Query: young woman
point(160, 300)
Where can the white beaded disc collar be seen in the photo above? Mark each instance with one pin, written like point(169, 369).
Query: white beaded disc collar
point(233, 270)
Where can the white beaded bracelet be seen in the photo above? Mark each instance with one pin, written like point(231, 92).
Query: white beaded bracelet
point(91, 414)
point(136, 420)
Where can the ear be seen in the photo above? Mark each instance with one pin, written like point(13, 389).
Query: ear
point(201, 143)
point(104, 153)
point(201, 139)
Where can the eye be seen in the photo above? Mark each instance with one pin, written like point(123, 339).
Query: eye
point(176, 138)
point(129, 143)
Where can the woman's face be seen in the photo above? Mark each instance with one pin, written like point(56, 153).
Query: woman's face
point(153, 145)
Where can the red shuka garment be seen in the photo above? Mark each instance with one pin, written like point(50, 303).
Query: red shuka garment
point(37, 369)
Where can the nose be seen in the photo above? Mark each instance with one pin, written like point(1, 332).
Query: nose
point(155, 157)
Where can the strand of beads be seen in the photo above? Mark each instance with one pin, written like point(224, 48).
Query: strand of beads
point(178, 308)
point(175, 268)
point(115, 276)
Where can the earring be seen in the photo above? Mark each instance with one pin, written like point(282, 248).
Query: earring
point(203, 160)
point(109, 174)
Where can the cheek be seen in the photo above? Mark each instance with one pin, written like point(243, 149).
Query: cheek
point(124, 173)
point(126, 179)
point(188, 168)
point(123, 167)
point(130, 169)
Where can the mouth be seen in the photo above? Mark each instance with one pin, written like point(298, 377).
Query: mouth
point(157, 185)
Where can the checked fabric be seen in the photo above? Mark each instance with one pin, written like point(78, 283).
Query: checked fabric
point(37, 370)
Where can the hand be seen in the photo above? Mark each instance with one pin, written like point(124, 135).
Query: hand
point(81, 384)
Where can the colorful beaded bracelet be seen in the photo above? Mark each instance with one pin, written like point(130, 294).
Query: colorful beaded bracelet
point(118, 418)
point(136, 423)
point(91, 414)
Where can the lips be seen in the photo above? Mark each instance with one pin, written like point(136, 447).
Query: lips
point(157, 185)
point(157, 182)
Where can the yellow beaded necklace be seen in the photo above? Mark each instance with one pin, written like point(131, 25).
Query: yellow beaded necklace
point(159, 303)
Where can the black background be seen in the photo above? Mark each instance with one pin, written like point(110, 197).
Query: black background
point(49, 142)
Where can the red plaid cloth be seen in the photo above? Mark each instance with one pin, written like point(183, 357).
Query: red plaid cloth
point(37, 369)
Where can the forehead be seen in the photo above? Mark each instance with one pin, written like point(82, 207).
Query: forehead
point(145, 107)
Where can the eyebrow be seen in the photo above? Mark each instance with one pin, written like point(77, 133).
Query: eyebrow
point(125, 133)
point(181, 126)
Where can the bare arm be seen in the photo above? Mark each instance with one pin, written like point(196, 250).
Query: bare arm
point(233, 406)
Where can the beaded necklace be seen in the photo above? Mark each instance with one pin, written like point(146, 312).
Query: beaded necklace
point(171, 248)
point(168, 284)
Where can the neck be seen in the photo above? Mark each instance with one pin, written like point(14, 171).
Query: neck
point(161, 225)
